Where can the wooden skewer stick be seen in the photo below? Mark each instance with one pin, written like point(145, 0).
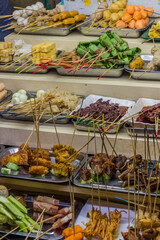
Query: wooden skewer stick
point(99, 198)
point(35, 222)
point(54, 123)
point(14, 229)
point(107, 71)
point(70, 158)
point(115, 140)
point(129, 204)
point(94, 129)
point(92, 188)
point(87, 148)
point(132, 73)
point(105, 182)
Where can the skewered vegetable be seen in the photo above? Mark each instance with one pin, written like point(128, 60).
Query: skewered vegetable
point(13, 210)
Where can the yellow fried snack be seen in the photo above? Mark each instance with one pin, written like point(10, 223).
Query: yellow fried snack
point(62, 168)
point(138, 63)
point(154, 31)
point(19, 158)
point(40, 162)
point(38, 170)
point(62, 153)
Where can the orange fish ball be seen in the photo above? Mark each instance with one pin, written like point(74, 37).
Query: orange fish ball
point(137, 15)
point(147, 21)
point(144, 14)
point(132, 24)
point(141, 7)
point(136, 7)
point(120, 24)
point(130, 9)
point(151, 11)
point(126, 17)
point(139, 24)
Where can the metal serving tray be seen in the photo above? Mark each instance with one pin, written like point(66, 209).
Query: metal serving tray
point(125, 33)
point(32, 68)
point(50, 178)
point(7, 97)
point(114, 185)
point(149, 75)
point(62, 119)
point(82, 127)
point(93, 72)
point(62, 31)
point(139, 129)
point(48, 236)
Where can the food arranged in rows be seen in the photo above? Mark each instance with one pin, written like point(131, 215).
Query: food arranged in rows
point(24, 56)
point(23, 103)
point(115, 170)
point(145, 66)
point(35, 18)
point(53, 166)
point(22, 214)
point(119, 17)
point(107, 52)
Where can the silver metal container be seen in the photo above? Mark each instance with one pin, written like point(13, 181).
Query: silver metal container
point(61, 119)
point(32, 68)
point(125, 33)
point(82, 127)
point(139, 129)
point(114, 185)
point(23, 171)
point(92, 72)
point(51, 31)
point(142, 74)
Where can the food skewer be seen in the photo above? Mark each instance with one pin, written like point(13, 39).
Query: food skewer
point(87, 148)
point(54, 123)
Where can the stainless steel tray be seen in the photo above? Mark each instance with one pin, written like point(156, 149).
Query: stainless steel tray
point(50, 178)
point(139, 129)
point(51, 235)
point(64, 31)
point(7, 97)
point(125, 33)
point(32, 68)
point(82, 127)
point(149, 75)
point(62, 119)
point(114, 185)
point(93, 72)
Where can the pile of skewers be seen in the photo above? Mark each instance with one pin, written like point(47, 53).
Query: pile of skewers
point(108, 52)
point(36, 17)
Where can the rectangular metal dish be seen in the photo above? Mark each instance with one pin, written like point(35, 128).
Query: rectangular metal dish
point(125, 33)
point(139, 129)
point(51, 235)
point(114, 185)
point(49, 178)
point(32, 68)
point(149, 75)
point(62, 119)
point(63, 31)
point(93, 72)
point(7, 97)
point(82, 127)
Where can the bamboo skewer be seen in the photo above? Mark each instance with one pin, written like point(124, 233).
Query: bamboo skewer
point(92, 188)
point(115, 140)
point(54, 123)
point(87, 148)
point(14, 229)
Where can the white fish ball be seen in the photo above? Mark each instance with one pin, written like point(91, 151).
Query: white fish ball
point(23, 98)
point(15, 100)
point(17, 94)
point(22, 91)
point(40, 93)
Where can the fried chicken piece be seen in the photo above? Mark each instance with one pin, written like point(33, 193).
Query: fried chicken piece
point(27, 149)
point(62, 153)
point(41, 162)
point(42, 153)
point(38, 170)
point(19, 158)
point(62, 169)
